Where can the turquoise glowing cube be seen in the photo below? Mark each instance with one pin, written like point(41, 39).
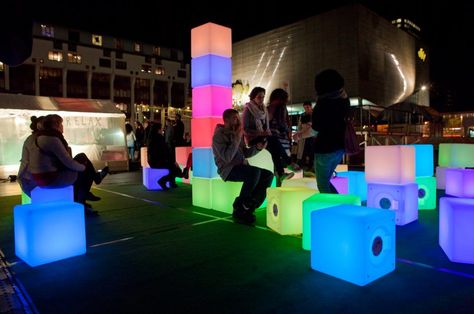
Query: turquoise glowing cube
point(400, 198)
point(341, 184)
point(456, 155)
point(353, 243)
point(285, 207)
point(45, 195)
point(460, 182)
point(48, 232)
point(211, 70)
point(202, 130)
point(393, 164)
point(25, 199)
point(262, 160)
point(356, 184)
point(202, 192)
point(224, 194)
point(456, 228)
point(203, 163)
point(320, 201)
point(211, 101)
point(426, 193)
point(309, 183)
point(211, 38)
point(151, 177)
point(424, 160)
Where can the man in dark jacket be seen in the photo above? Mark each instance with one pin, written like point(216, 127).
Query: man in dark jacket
point(229, 154)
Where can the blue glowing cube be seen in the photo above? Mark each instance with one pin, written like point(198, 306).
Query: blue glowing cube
point(424, 160)
point(357, 183)
point(48, 232)
point(401, 198)
point(202, 192)
point(353, 243)
point(460, 182)
point(204, 165)
point(211, 70)
point(426, 193)
point(151, 177)
point(45, 195)
point(456, 228)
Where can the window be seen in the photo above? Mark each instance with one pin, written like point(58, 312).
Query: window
point(137, 47)
point(182, 73)
point(97, 40)
point(55, 56)
point(156, 51)
point(2, 67)
point(71, 47)
point(107, 53)
point(57, 45)
point(105, 63)
point(146, 68)
point(47, 30)
point(158, 61)
point(122, 65)
point(74, 36)
point(74, 58)
point(118, 54)
point(160, 70)
point(147, 59)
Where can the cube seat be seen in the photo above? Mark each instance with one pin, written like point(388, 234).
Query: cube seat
point(151, 177)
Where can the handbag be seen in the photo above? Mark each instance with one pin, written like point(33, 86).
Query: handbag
point(351, 142)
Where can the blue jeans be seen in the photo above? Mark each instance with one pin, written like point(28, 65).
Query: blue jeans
point(324, 166)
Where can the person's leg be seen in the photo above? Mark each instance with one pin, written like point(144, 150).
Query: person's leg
point(260, 191)
point(249, 175)
point(324, 166)
point(276, 150)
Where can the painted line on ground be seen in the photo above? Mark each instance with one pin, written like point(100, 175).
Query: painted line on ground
point(439, 269)
point(111, 242)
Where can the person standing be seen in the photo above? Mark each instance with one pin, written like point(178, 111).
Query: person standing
point(305, 138)
point(178, 131)
point(130, 136)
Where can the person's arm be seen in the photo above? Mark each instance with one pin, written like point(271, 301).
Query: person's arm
point(246, 118)
point(223, 148)
point(53, 146)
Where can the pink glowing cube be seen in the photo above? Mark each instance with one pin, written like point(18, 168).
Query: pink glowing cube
point(211, 38)
point(182, 154)
point(460, 182)
point(211, 101)
point(202, 130)
point(390, 164)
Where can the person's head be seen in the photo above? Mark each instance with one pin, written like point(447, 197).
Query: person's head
point(128, 128)
point(257, 95)
point(138, 125)
point(279, 96)
point(328, 81)
point(36, 123)
point(308, 107)
point(231, 119)
point(52, 122)
point(178, 116)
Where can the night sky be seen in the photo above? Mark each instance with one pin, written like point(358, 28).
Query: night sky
point(447, 28)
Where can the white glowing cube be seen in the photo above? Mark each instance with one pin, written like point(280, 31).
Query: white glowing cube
point(49, 232)
point(263, 160)
point(285, 208)
point(204, 165)
point(202, 192)
point(46, 195)
point(426, 193)
point(224, 194)
point(309, 183)
point(211, 101)
point(441, 177)
point(460, 182)
point(211, 38)
point(151, 177)
point(390, 164)
point(202, 131)
point(400, 198)
point(144, 157)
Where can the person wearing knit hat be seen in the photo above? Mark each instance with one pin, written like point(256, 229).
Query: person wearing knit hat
point(328, 120)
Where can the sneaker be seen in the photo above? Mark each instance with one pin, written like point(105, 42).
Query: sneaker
point(243, 216)
point(100, 175)
point(186, 173)
point(287, 176)
point(173, 185)
point(162, 184)
point(92, 197)
point(294, 167)
point(88, 211)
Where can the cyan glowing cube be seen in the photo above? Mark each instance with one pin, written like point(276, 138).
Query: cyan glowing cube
point(353, 243)
point(262, 160)
point(211, 70)
point(456, 228)
point(424, 160)
point(25, 199)
point(182, 154)
point(356, 183)
point(455, 155)
point(460, 182)
point(224, 194)
point(203, 163)
point(151, 177)
point(202, 192)
point(320, 201)
point(393, 164)
point(426, 193)
point(144, 157)
point(211, 101)
point(400, 198)
point(202, 130)
point(46, 195)
point(309, 183)
point(211, 38)
point(48, 232)
point(285, 208)
point(341, 184)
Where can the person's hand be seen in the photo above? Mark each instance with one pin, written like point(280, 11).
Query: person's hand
point(261, 145)
point(296, 136)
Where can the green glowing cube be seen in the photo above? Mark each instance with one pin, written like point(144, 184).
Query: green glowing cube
point(224, 194)
point(319, 201)
point(426, 193)
point(25, 199)
point(202, 192)
point(309, 183)
point(284, 208)
point(456, 155)
point(274, 184)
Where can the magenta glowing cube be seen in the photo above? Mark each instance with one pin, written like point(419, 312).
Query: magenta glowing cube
point(456, 228)
point(211, 101)
point(211, 38)
point(204, 165)
point(211, 70)
point(202, 130)
point(393, 164)
point(401, 198)
point(151, 177)
point(460, 182)
point(46, 195)
point(341, 184)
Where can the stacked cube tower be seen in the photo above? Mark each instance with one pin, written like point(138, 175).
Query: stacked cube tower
point(424, 168)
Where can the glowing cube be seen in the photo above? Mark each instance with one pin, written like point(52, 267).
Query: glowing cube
point(144, 157)
point(46, 195)
point(353, 243)
point(273, 185)
point(401, 198)
point(186, 181)
point(203, 163)
point(390, 164)
point(224, 194)
point(25, 199)
point(456, 155)
point(211, 101)
point(424, 160)
point(211, 70)
point(320, 201)
point(48, 232)
point(151, 177)
point(211, 38)
point(441, 177)
point(284, 208)
point(341, 168)
point(182, 153)
point(356, 183)
point(460, 182)
point(456, 228)
point(309, 183)
point(341, 184)
point(426, 192)
point(202, 130)
point(202, 192)
point(262, 160)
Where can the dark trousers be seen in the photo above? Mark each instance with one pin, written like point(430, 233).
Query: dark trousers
point(255, 184)
point(84, 180)
point(279, 156)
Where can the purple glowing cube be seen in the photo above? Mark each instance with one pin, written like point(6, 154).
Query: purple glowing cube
point(460, 182)
point(151, 177)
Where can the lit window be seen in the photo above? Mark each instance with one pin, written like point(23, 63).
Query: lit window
point(146, 68)
point(157, 51)
point(160, 71)
point(97, 40)
point(74, 58)
point(138, 47)
point(47, 30)
point(55, 56)
point(2, 67)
